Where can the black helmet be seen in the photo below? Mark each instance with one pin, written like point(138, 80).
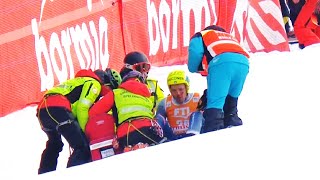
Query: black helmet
point(101, 74)
point(134, 74)
point(215, 27)
point(135, 57)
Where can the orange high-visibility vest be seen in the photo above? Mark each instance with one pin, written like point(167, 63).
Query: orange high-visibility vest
point(218, 42)
point(179, 115)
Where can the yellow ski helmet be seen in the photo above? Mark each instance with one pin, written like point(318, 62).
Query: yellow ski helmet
point(178, 77)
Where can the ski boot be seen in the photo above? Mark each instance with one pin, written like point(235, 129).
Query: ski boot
point(231, 112)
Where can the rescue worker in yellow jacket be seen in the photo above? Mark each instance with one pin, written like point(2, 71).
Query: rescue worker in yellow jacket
point(63, 110)
point(138, 61)
point(178, 113)
point(133, 113)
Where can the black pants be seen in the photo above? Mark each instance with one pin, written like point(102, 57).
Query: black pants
point(144, 135)
point(284, 8)
point(57, 121)
point(295, 9)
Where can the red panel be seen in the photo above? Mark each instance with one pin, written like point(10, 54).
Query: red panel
point(43, 43)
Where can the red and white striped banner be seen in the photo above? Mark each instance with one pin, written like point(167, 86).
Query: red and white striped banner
point(43, 43)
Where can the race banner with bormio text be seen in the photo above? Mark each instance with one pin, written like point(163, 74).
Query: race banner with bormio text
point(43, 43)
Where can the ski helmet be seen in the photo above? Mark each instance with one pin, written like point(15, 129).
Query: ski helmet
point(135, 57)
point(178, 77)
point(215, 27)
point(101, 74)
point(113, 78)
point(134, 74)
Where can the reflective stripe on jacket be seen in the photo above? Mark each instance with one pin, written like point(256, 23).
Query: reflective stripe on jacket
point(130, 105)
point(82, 92)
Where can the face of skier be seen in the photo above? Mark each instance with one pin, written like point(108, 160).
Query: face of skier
point(179, 92)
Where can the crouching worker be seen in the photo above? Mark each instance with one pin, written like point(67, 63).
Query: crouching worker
point(100, 129)
point(63, 111)
point(226, 62)
point(132, 109)
point(177, 114)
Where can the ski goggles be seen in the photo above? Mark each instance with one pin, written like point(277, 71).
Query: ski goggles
point(141, 67)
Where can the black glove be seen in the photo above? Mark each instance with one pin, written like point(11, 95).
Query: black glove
point(203, 101)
